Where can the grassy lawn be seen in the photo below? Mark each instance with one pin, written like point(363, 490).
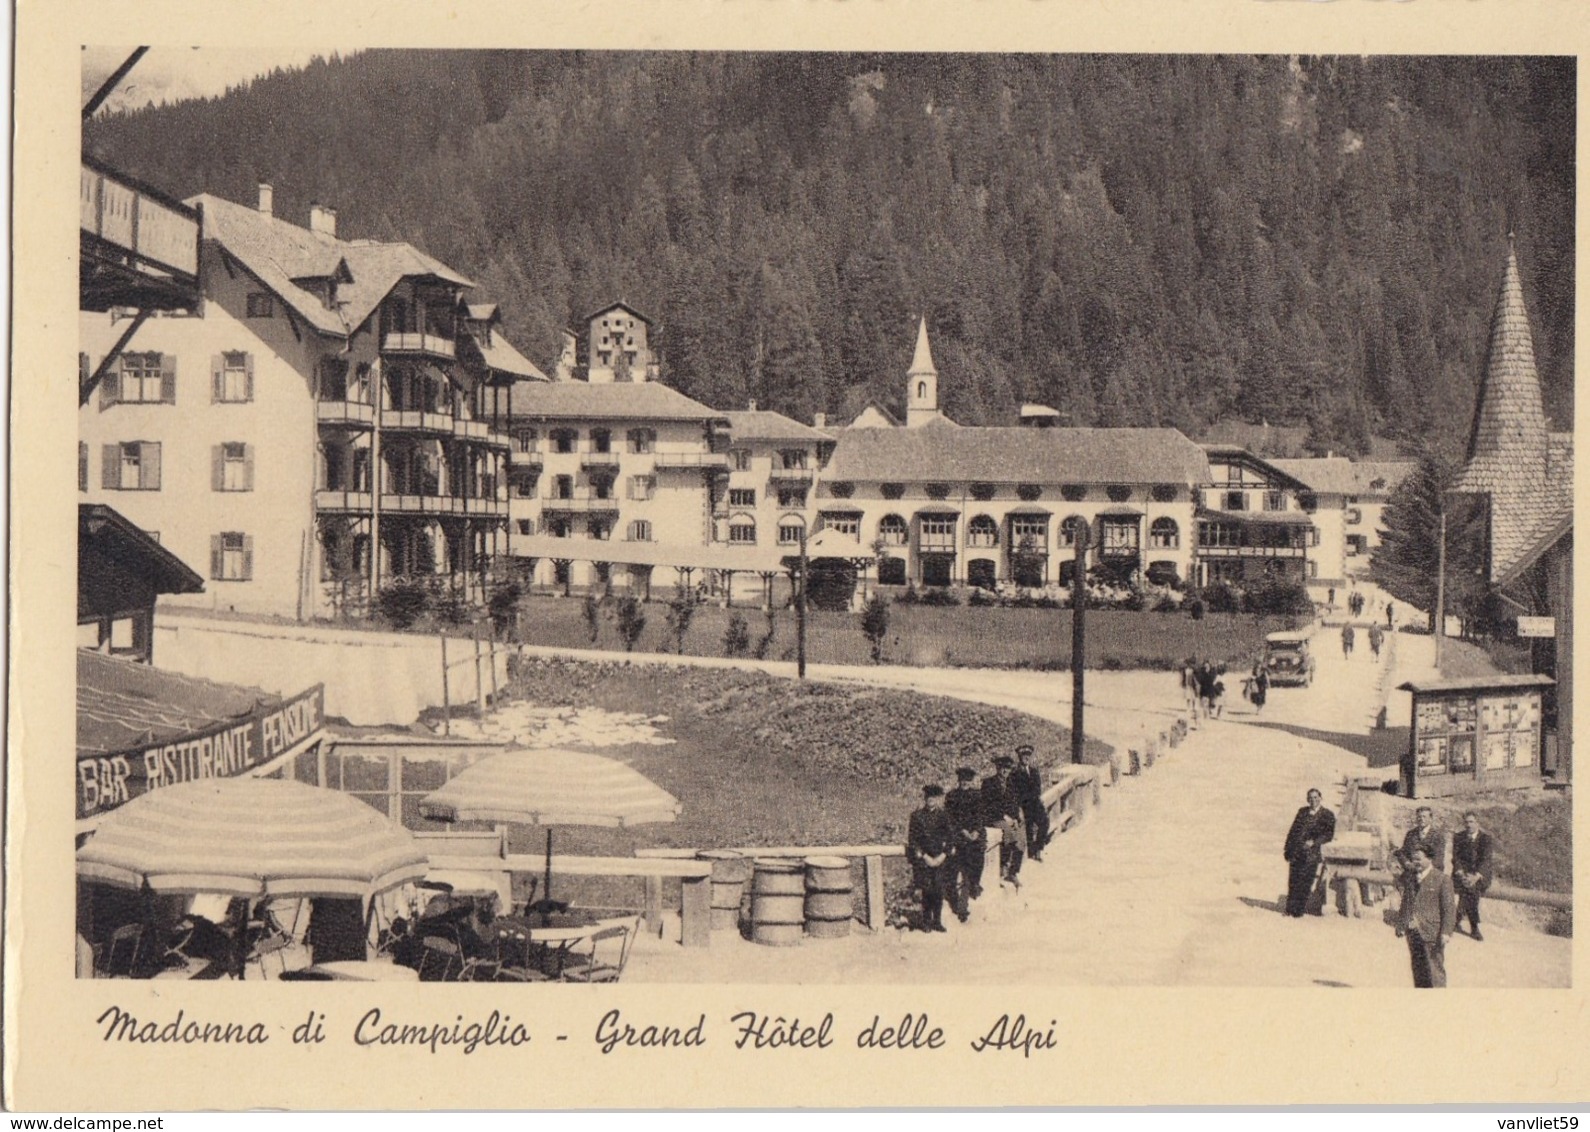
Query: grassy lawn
point(929, 636)
point(761, 760)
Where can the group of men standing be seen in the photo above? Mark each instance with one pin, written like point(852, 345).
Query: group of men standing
point(947, 839)
point(1434, 904)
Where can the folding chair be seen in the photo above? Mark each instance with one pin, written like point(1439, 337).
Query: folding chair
point(121, 957)
point(606, 957)
point(440, 961)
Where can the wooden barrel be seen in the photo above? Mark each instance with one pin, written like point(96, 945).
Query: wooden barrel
point(830, 899)
point(730, 871)
point(778, 892)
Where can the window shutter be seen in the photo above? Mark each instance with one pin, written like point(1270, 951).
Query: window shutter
point(168, 379)
point(248, 467)
point(217, 377)
point(110, 470)
point(217, 467)
point(248, 378)
point(216, 562)
point(82, 466)
point(149, 466)
point(248, 557)
point(110, 386)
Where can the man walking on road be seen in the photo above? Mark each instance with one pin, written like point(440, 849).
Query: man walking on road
point(1471, 870)
point(929, 842)
point(965, 808)
point(1376, 639)
point(1347, 641)
point(1313, 826)
point(1002, 808)
point(1028, 781)
point(1428, 918)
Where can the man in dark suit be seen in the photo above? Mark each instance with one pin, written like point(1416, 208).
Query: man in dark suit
point(1424, 835)
point(964, 805)
point(1427, 919)
point(1028, 781)
point(1471, 870)
point(1313, 826)
point(929, 841)
point(1002, 808)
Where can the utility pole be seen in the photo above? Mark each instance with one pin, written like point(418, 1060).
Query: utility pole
point(1079, 605)
point(800, 613)
point(1440, 589)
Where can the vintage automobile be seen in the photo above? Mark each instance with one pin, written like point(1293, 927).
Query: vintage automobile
point(1287, 659)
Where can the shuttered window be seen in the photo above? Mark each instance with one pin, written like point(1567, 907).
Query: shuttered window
point(134, 466)
point(231, 556)
point(232, 467)
point(232, 377)
point(147, 378)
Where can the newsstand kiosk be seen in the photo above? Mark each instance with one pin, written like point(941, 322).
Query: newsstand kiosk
point(1481, 733)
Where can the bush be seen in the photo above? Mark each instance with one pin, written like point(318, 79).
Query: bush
point(681, 611)
point(403, 601)
point(1195, 609)
point(875, 624)
point(939, 597)
point(765, 642)
point(591, 611)
point(631, 620)
point(503, 605)
point(981, 598)
point(1221, 597)
point(831, 585)
point(1278, 598)
point(449, 605)
point(736, 636)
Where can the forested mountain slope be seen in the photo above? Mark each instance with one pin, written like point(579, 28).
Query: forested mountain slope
point(1136, 240)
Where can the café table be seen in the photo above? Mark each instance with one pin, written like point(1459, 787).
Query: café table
point(545, 940)
point(366, 971)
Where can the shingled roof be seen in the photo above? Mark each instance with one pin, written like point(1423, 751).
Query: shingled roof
point(623, 400)
point(1337, 475)
point(763, 424)
point(122, 704)
point(1510, 453)
point(277, 252)
point(1019, 455)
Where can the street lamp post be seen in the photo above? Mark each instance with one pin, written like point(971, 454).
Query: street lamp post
point(1440, 589)
point(1079, 605)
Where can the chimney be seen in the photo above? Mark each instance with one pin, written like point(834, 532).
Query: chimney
point(819, 420)
point(265, 198)
point(751, 405)
point(322, 220)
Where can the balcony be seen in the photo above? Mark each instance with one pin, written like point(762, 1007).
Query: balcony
point(936, 544)
point(1252, 552)
point(333, 502)
point(599, 460)
point(466, 429)
point(525, 459)
point(582, 502)
point(414, 343)
point(347, 414)
point(401, 504)
point(792, 475)
point(419, 420)
point(689, 460)
point(139, 247)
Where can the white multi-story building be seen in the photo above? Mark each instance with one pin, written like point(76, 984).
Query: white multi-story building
point(1350, 498)
point(321, 422)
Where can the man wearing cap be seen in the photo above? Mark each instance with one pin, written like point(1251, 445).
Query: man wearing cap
point(930, 839)
point(1002, 808)
point(964, 805)
point(1028, 781)
point(1427, 919)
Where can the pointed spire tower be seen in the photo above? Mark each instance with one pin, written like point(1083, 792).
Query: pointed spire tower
point(1509, 445)
point(922, 383)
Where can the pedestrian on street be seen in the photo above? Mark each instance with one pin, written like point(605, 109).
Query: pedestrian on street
point(1330, 598)
point(1002, 809)
point(1261, 686)
point(1217, 693)
point(929, 842)
point(1424, 835)
point(964, 805)
point(1390, 616)
point(1472, 850)
point(1313, 826)
point(1376, 639)
point(1028, 780)
point(1189, 689)
point(1206, 687)
point(1347, 641)
point(1427, 919)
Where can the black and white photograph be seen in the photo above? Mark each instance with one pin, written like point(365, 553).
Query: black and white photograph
point(753, 520)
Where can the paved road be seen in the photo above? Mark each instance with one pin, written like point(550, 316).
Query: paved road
point(1175, 881)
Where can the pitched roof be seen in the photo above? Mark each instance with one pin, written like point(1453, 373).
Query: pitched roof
point(1019, 455)
point(618, 306)
point(123, 704)
point(763, 424)
point(499, 354)
point(625, 400)
point(131, 547)
point(1337, 475)
point(1263, 438)
point(1534, 520)
point(278, 252)
point(1238, 454)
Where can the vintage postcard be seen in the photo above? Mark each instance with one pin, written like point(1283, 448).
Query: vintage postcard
point(684, 556)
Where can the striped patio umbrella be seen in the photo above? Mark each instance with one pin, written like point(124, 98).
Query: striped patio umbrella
point(549, 788)
point(256, 837)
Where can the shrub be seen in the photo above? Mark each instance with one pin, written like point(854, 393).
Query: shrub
point(875, 624)
point(1195, 609)
point(831, 584)
point(1221, 597)
point(981, 598)
point(736, 636)
point(591, 611)
point(939, 597)
point(910, 596)
point(765, 642)
point(449, 606)
point(681, 611)
point(1278, 597)
point(403, 601)
point(503, 605)
point(1168, 604)
point(631, 620)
